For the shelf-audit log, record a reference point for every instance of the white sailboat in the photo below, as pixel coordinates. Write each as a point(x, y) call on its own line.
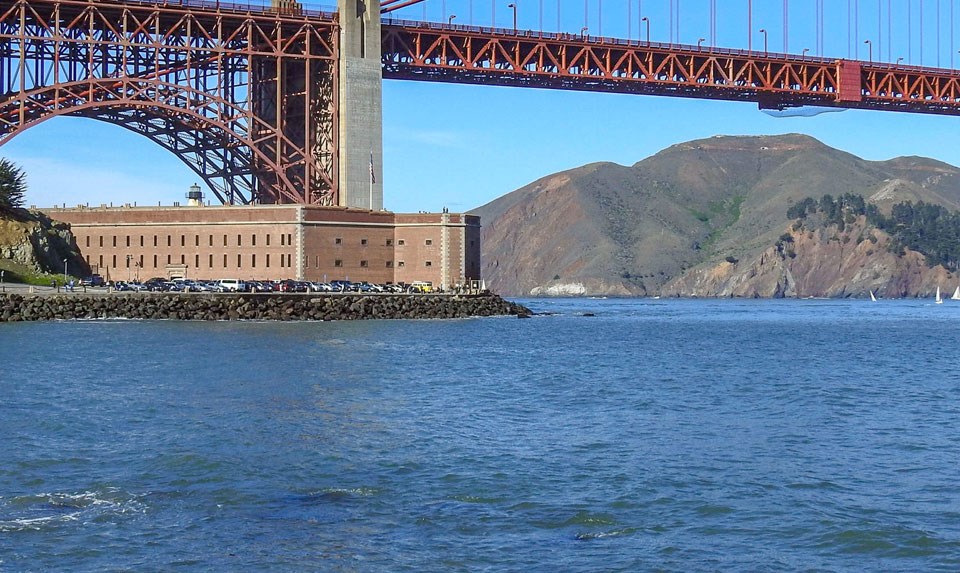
point(956, 294)
point(939, 300)
point(872, 298)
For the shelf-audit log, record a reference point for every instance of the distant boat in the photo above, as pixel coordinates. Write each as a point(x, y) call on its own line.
point(956, 294)
point(874, 299)
point(939, 300)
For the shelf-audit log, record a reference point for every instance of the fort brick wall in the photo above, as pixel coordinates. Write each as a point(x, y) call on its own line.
point(271, 242)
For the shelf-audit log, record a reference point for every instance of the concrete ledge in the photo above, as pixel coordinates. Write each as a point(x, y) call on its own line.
point(178, 306)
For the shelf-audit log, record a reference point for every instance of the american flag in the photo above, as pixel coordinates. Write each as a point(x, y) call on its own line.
point(373, 178)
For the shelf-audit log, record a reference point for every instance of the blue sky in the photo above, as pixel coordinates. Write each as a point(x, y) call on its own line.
point(460, 146)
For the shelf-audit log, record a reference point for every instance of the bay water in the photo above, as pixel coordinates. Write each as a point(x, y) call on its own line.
point(603, 435)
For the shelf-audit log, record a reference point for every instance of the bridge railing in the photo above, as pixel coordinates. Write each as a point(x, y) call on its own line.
point(260, 6)
point(673, 47)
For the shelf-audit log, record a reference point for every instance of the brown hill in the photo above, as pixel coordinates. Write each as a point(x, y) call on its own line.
point(670, 221)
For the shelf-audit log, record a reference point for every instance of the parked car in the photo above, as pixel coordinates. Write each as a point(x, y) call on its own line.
point(92, 280)
point(233, 285)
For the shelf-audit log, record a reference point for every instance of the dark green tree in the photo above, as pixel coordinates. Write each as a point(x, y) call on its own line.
point(13, 185)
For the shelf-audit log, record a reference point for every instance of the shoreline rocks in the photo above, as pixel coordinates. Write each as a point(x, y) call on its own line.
point(280, 307)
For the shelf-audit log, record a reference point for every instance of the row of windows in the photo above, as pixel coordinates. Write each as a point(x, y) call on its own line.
point(389, 243)
point(138, 262)
point(285, 261)
point(286, 239)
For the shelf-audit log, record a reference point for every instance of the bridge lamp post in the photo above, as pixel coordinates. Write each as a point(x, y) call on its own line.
point(514, 8)
point(128, 267)
point(700, 43)
point(64, 271)
point(764, 32)
point(647, 22)
point(583, 32)
point(804, 54)
point(451, 19)
point(900, 59)
point(870, 50)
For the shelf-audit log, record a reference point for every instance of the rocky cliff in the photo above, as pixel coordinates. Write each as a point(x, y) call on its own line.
point(818, 263)
point(707, 218)
point(34, 242)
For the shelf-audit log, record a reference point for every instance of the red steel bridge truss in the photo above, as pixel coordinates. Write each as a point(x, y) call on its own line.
point(248, 99)
point(434, 52)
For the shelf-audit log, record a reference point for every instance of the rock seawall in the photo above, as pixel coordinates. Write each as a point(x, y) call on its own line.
point(16, 308)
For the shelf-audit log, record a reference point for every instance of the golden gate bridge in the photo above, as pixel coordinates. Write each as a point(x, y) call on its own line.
point(264, 101)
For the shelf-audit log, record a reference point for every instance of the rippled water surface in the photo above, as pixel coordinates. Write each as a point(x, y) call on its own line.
point(653, 435)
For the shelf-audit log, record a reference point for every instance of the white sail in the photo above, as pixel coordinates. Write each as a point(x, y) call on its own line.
point(872, 298)
point(956, 294)
point(939, 300)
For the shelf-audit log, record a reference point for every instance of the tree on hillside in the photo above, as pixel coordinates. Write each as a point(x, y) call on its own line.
point(13, 185)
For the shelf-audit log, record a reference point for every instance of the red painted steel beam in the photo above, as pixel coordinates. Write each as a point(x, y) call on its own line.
point(437, 52)
point(246, 97)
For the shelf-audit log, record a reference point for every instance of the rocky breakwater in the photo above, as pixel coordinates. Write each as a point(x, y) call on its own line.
point(15, 307)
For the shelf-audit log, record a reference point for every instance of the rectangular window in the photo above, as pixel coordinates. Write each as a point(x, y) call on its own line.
point(338, 241)
point(400, 242)
point(389, 242)
point(316, 261)
point(211, 243)
point(389, 264)
point(128, 261)
point(196, 262)
point(238, 261)
point(282, 260)
point(253, 240)
point(169, 240)
point(363, 263)
point(268, 256)
point(101, 241)
point(224, 259)
point(114, 265)
point(363, 241)
point(210, 262)
point(141, 261)
point(88, 240)
point(154, 261)
point(338, 263)
point(169, 259)
point(183, 259)
point(399, 263)
point(289, 260)
point(253, 260)
point(101, 260)
point(114, 240)
point(268, 239)
point(428, 242)
point(428, 264)
point(224, 243)
point(141, 240)
point(283, 240)
point(128, 240)
point(239, 239)
point(154, 243)
point(196, 240)
point(183, 240)
point(289, 240)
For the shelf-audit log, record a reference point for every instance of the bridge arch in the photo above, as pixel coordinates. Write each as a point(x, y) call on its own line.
point(217, 147)
point(246, 100)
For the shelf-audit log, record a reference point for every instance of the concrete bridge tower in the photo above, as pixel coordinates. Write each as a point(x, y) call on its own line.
point(361, 125)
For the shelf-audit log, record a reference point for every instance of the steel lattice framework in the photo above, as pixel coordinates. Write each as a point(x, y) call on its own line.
point(246, 97)
point(462, 54)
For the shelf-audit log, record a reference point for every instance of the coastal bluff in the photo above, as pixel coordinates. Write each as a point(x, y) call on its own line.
point(293, 307)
